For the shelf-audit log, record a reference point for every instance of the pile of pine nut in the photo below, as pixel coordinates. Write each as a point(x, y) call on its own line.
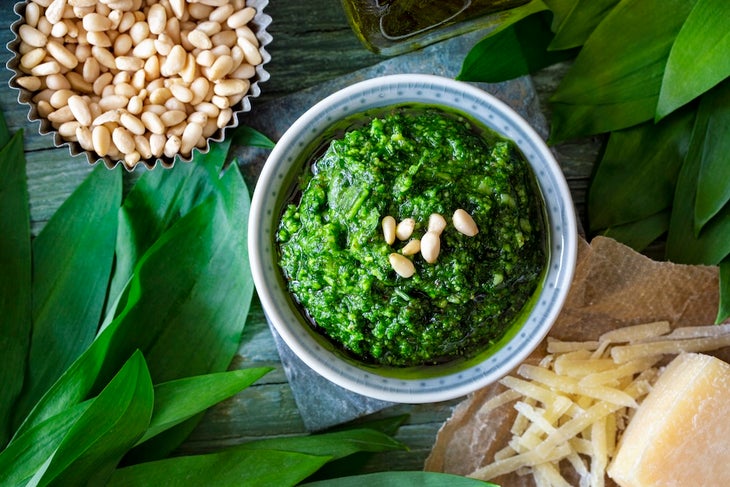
point(429, 245)
point(137, 80)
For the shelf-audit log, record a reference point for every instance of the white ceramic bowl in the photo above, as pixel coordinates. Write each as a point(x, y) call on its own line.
point(427, 383)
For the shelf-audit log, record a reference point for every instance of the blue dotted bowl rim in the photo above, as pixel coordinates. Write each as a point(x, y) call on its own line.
point(385, 91)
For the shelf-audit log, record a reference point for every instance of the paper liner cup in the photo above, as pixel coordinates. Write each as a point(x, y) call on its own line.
point(258, 25)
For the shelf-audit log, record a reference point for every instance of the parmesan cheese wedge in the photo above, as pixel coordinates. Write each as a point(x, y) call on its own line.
point(680, 435)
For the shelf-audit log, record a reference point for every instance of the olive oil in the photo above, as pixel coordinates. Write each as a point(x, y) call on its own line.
point(392, 27)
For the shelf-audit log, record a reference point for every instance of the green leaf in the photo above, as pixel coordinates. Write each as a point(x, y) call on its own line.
point(639, 234)
point(15, 278)
point(476, 65)
point(26, 454)
point(179, 400)
point(637, 174)
point(614, 82)
point(260, 468)
point(713, 190)
point(72, 260)
point(560, 9)
point(114, 421)
point(248, 137)
point(580, 23)
point(402, 479)
point(711, 245)
point(336, 445)
point(515, 51)
point(176, 288)
point(180, 317)
point(157, 200)
point(700, 56)
point(723, 311)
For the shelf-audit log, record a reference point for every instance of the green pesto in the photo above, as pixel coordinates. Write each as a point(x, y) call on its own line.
point(409, 164)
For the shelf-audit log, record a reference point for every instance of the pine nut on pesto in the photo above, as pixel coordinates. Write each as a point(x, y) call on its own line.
point(412, 162)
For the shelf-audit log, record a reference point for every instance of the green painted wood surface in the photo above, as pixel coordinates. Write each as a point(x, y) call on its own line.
point(312, 43)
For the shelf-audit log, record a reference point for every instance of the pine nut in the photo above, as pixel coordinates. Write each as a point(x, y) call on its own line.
point(221, 14)
point(412, 247)
point(78, 83)
point(123, 140)
point(129, 63)
point(142, 145)
point(181, 92)
point(83, 136)
point(61, 115)
point(32, 36)
point(173, 117)
point(44, 69)
point(190, 137)
point(175, 61)
point(402, 265)
point(172, 146)
point(30, 83)
point(54, 11)
point(112, 116)
point(153, 122)
point(241, 18)
point(122, 45)
point(220, 68)
point(157, 144)
point(33, 14)
point(91, 70)
point(200, 39)
point(405, 228)
point(229, 87)
point(80, 110)
point(430, 247)
point(145, 49)
point(57, 82)
point(253, 56)
point(178, 8)
point(94, 22)
point(60, 98)
point(436, 223)
point(67, 130)
point(113, 102)
point(32, 58)
point(464, 223)
point(132, 123)
point(157, 18)
point(388, 225)
point(224, 117)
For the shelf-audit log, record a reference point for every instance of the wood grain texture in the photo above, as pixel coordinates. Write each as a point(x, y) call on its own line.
point(312, 43)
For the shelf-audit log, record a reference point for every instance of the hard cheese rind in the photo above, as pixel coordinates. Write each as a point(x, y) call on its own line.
point(681, 433)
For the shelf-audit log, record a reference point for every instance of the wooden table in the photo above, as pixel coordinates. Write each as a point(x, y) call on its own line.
point(312, 44)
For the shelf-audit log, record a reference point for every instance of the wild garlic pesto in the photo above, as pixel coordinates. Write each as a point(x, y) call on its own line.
point(412, 164)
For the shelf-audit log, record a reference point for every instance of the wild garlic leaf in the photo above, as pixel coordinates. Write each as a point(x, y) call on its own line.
point(262, 468)
point(637, 174)
point(72, 261)
point(713, 190)
point(26, 454)
point(518, 50)
point(161, 284)
point(402, 479)
point(711, 246)
point(15, 278)
point(580, 23)
point(192, 290)
point(640, 234)
point(249, 137)
point(561, 10)
point(113, 422)
point(156, 201)
point(477, 63)
point(571, 121)
point(619, 69)
point(723, 310)
point(338, 444)
point(181, 399)
point(700, 56)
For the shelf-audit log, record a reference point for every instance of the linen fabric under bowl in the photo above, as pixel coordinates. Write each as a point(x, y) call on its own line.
point(421, 384)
